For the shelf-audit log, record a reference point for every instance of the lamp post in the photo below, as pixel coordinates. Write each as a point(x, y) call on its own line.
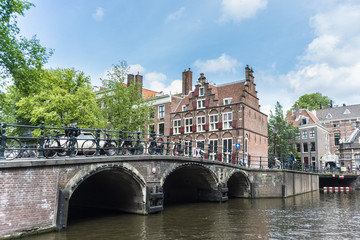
point(275, 133)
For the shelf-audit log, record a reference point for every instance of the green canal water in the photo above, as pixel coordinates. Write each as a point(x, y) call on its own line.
point(309, 216)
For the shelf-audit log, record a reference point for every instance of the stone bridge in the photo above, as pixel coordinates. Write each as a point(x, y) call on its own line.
point(39, 194)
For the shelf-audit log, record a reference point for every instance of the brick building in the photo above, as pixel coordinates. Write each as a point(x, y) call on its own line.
point(220, 116)
point(313, 139)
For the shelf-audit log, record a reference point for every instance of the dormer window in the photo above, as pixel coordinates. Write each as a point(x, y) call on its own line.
point(183, 108)
point(201, 91)
point(329, 115)
point(227, 101)
point(347, 111)
point(304, 121)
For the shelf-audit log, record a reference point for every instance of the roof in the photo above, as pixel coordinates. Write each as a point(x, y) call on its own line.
point(148, 93)
point(338, 113)
point(296, 119)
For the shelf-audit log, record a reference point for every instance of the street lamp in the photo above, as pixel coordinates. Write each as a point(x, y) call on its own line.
point(275, 133)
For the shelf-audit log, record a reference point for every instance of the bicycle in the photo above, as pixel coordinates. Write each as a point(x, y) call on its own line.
point(12, 148)
point(108, 146)
point(156, 148)
point(28, 151)
point(60, 145)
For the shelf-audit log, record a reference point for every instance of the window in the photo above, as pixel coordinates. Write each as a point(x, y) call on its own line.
point(304, 121)
point(347, 111)
point(188, 125)
point(161, 128)
point(213, 120)
point(177, 125)
point(227, 149)
point(187, 149)
point(227, 101)
point(201, 91)
point(329, 115)
point(305, 147)
point(201, 103)
point(213, 146)
point(298, 148)
point(161, 111)
point(152, 113)
point(200, 144)
point(336, 125)
point(312, 146)
point(337, 138)
point(297, 135)
point(312, 133)
point(227, 118)
point(183, 108)
point(200, 124)
point(304, 135)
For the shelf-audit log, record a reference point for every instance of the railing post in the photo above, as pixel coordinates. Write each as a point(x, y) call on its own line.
point(209, 150)
point(42, 140)
point(216, 152)
point(237, 158)
point(73, 139)
point(3, 139)
point(190, 147)
point(167, 145)
point(120, 141)
point(97, 142)
point(260, 162)
point(180, 148)
point(138, 144)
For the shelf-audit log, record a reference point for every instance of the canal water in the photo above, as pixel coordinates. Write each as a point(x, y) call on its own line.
point(309, 216)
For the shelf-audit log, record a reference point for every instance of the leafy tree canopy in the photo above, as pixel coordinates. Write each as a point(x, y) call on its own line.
point(123, 106)
point(311, 101)
point(282, 135)
point(20, 58)
point(64, 98)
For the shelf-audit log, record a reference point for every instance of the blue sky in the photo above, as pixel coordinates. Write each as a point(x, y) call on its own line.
point(294, 47)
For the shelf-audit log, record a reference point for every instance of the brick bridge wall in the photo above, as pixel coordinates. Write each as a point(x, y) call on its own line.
point(35, 194)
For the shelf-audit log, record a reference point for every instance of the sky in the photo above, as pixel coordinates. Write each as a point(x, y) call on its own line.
point(294, 47)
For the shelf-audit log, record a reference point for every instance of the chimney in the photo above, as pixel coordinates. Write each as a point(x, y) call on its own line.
point(320, 105)
point(186, 82)
point(297, 111)
point(135, 79)
point(249, 74)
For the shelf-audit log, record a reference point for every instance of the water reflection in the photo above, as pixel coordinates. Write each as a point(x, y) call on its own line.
point(314, 215)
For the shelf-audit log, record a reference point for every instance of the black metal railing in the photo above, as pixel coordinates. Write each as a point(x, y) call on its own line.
point(23, 141)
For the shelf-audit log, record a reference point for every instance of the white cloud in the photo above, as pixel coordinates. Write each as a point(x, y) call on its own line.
point(98, 15)
point(157, 82)
point(222, 64)
point(175, 15)
point(136, 68)
point(237, 10)
point(331, 63)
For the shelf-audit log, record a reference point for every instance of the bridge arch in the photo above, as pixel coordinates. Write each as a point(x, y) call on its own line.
point(238, 184)
point(115, 187)
point(190, 182)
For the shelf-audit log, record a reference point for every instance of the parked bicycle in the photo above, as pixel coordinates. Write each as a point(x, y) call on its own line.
point(12, 148)
point(156, 148)
point(108, 146)
point(60, 145)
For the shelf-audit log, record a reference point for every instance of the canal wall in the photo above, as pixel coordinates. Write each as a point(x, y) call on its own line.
point(281, 183)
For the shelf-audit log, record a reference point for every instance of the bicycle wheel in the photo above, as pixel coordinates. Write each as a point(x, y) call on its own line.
point(110, 148)
point(88, 148)
point(68, 147)
point(12, 148)
point(51, 147)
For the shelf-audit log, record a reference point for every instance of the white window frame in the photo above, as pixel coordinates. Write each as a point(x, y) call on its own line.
point(161, 111)
point(201, 91)
point(176, 126)
point(200, 125)
point(158, 128)
point(227, 119)
point(227, 153)
point(212, 153)
point(183, 108)
point(311, 133)
point(304, 134)
point(227, 101)
point(213, 124)
point(188, 122)
point(201, 103)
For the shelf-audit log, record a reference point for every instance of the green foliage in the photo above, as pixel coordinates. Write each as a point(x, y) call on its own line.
point(122, 105)
point(64, 98)
point(311, 101)
point(20, 58)
point(285, 134)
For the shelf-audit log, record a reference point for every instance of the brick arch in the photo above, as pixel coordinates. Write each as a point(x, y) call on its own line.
point(227, 135)
point(213, 111)
point(213, 136)
point(227, 109)
point(188, 115)
point(200, 113)
point(177, 116)
point(238, 183)
point(200, 137)
point(211, 177)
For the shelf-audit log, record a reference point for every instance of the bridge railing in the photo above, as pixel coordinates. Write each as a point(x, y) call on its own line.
point(23, 141)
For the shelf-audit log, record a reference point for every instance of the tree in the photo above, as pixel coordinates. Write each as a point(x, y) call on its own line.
point(282, 135)
point(20, 58)
point(64, 98)
point(123, 106)
point(311, 101)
